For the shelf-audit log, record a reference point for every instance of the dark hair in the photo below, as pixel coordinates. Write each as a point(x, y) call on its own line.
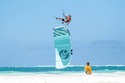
point(70, 15)
point(87, 63)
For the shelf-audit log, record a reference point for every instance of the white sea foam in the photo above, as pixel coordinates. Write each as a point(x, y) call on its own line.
point(117, 77)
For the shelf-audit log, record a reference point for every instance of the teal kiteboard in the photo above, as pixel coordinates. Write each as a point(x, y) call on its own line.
point(63, 46)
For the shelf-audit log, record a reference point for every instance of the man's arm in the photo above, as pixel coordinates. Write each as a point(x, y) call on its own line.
point(64, 15)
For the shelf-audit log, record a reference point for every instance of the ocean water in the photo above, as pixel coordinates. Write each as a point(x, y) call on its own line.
point(53, 70)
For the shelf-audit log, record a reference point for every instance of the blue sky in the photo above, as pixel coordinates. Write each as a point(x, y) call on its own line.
point(97, 30)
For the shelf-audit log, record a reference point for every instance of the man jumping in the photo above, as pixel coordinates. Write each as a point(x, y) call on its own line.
point(66, 20)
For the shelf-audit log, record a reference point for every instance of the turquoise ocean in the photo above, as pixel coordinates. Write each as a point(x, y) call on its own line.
point(53, 70)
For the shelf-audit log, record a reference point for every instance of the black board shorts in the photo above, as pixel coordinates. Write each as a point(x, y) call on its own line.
point(63, 19)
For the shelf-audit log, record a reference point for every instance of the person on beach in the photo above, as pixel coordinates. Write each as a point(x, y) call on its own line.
point(88, 68)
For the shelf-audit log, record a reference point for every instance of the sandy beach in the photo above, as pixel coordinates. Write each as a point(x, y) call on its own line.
point(64, 78)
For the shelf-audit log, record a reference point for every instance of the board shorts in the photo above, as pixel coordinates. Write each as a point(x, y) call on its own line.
point(63, 19)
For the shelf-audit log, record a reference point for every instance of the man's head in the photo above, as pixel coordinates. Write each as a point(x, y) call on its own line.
point(70, 15)
point(87, 63)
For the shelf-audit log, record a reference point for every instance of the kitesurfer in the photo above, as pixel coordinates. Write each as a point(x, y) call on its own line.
point(66, 20)
point(88, 68)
